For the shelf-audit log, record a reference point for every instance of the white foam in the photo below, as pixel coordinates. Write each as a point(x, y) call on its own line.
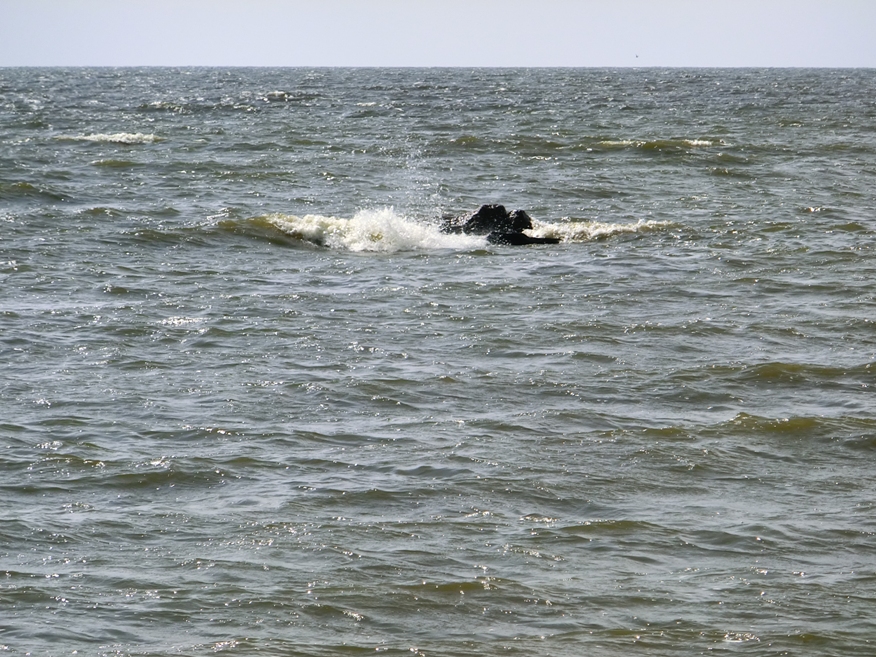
point(665, 143)
point(583, 231)
point(181, 321)
point(386, 231)
point(371, 230)
point(115, 138)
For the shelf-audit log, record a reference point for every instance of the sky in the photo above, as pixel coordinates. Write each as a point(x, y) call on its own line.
point(689, 33)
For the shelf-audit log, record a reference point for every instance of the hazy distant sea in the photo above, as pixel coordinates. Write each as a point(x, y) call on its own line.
point(253, 401)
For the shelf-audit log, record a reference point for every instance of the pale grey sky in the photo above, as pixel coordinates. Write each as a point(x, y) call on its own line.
point(835, 33)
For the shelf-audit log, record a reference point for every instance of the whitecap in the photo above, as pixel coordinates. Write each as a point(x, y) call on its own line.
point(386, 231)
point(583, 231)
point(371, 230)
point(181, 321)
point(659, 143)
point(128, 138)
point(274, 96)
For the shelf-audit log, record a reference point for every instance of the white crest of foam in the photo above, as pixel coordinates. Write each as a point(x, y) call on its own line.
point(371, 230)
point(181, 321)
point(115, 138)
point(638, 143)
point(386, 231)
point(583, 231)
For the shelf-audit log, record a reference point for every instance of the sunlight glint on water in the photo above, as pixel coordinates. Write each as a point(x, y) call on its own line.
point(255, 402)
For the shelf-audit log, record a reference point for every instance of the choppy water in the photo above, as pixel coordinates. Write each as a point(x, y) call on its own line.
point(254, 402)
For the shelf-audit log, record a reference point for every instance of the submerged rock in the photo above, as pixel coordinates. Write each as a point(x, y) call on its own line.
point(499, 225)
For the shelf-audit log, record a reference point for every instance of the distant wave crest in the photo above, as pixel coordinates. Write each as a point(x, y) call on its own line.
point(660, 144)
point(128, 138)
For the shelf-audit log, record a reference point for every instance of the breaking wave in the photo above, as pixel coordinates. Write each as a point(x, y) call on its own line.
point(585, 231)
point(386, 231)
point(660, 144)
point(370, 230)
point(127, 138)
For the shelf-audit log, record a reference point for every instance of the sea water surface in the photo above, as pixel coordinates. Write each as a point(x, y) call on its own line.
point(253, 401)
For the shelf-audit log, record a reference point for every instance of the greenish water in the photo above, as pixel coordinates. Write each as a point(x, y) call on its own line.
point(253, 401)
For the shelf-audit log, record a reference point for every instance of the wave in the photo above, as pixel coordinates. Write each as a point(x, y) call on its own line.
point(792, 373)
point(851, 430)
point(586, 231)
point(11, 191)
point(115, 164)
point(660, 144)
point(127, 138)
point(369, 230)
point(386, 231)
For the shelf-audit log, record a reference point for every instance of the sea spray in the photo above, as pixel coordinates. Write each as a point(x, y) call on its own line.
point(386, 231)
point(371, 230)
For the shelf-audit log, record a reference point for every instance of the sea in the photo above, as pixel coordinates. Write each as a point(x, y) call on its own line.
point(253, 401)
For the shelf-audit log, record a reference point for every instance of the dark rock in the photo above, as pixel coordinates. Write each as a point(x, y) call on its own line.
point(518, 239)
point(499, 225)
